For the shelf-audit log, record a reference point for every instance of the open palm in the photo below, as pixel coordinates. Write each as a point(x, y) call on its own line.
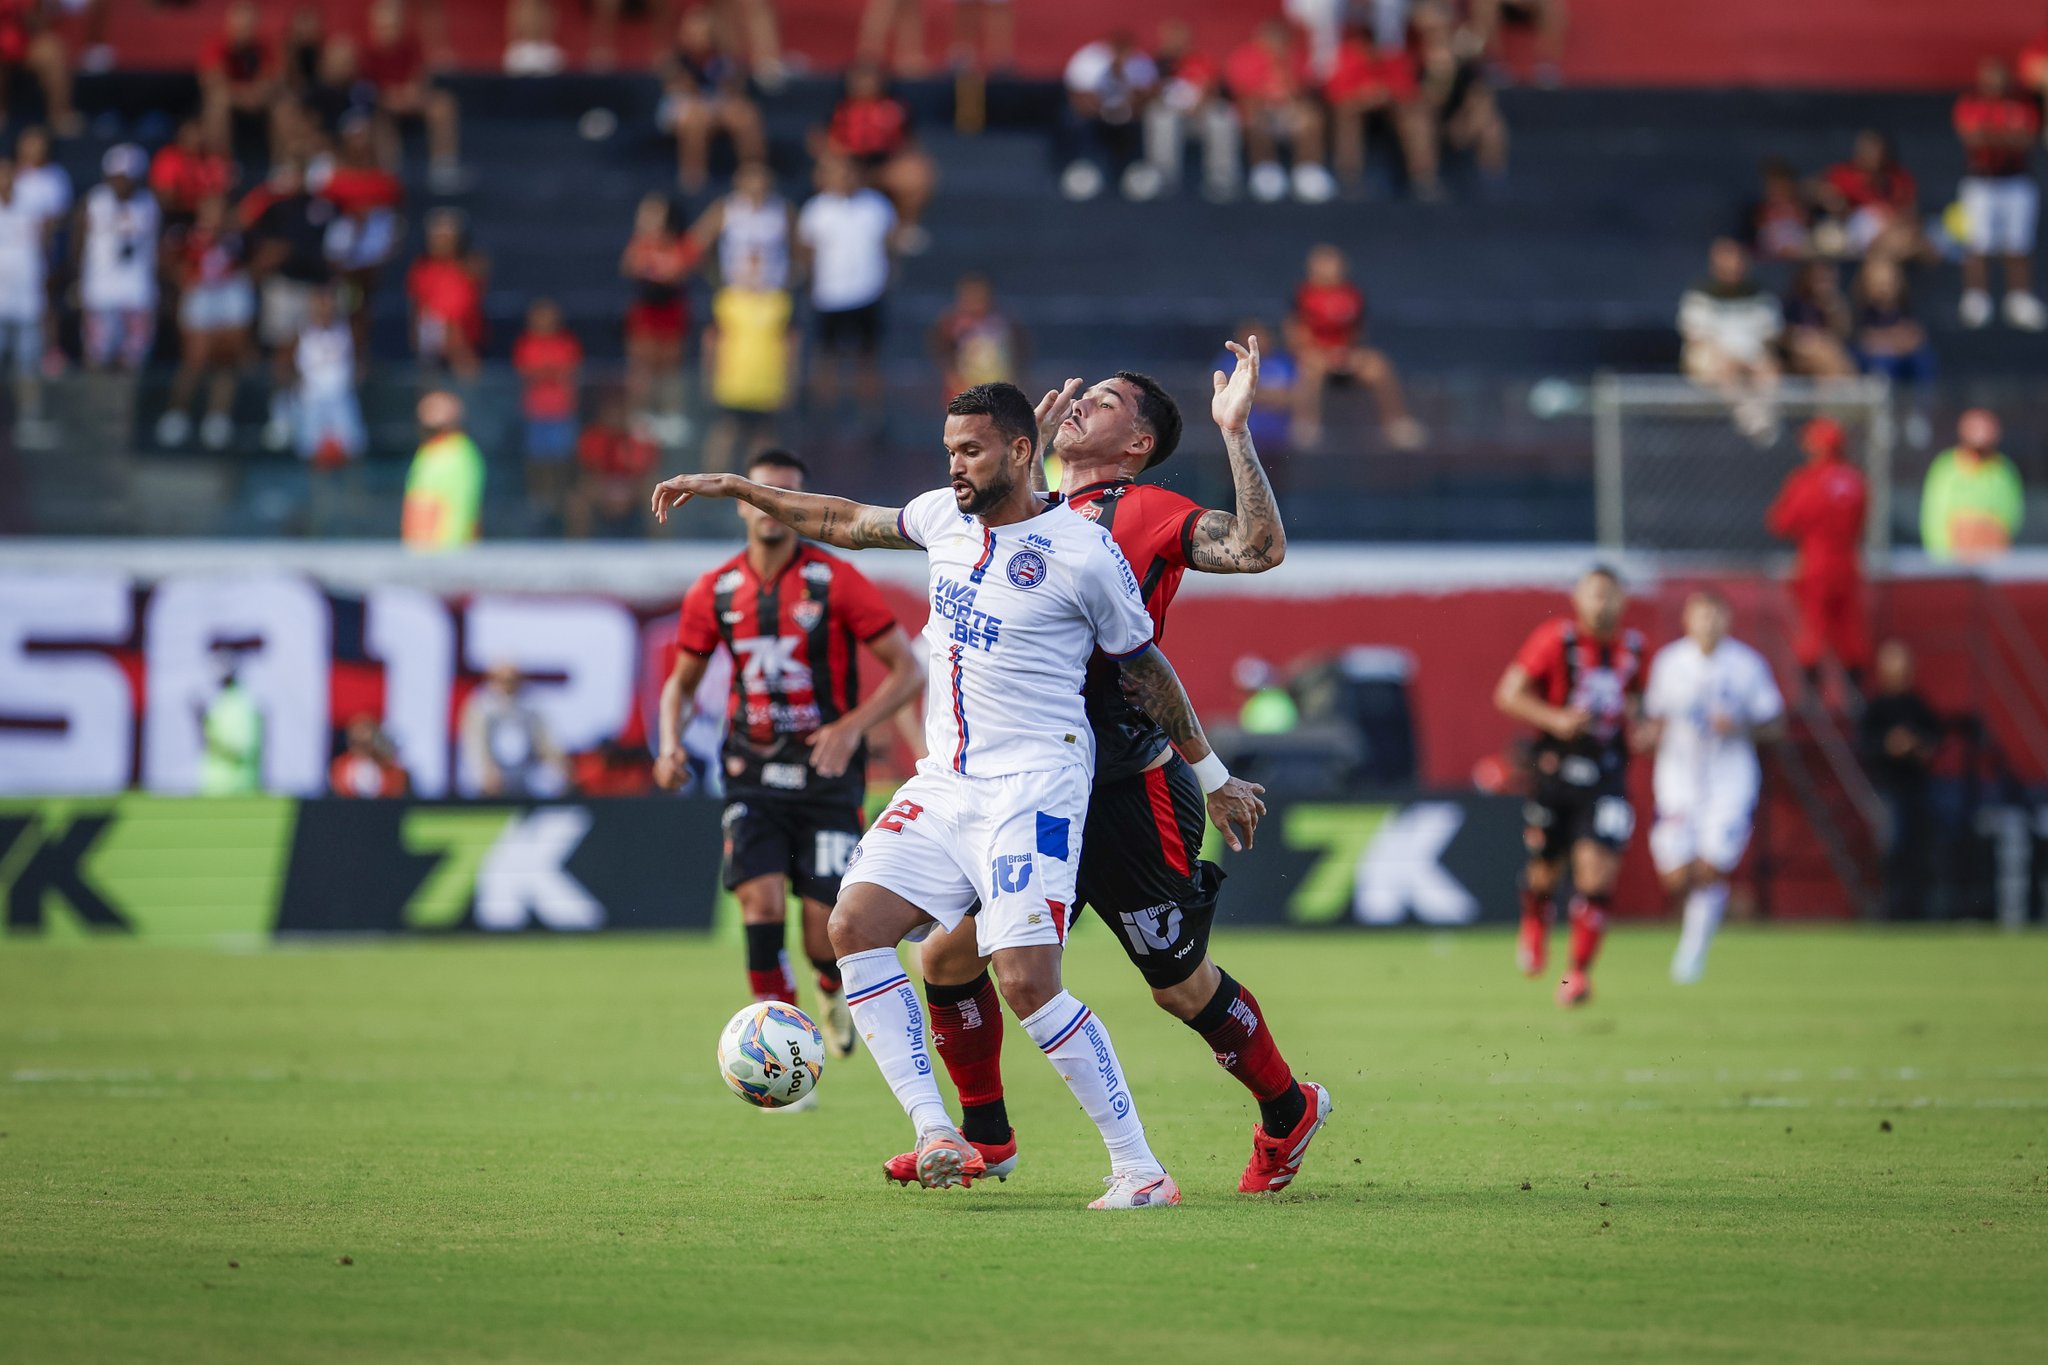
point(1232, 405)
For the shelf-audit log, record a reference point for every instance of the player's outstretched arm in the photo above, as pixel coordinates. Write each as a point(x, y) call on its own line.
point(671, 765)
point(1234, 804)
point(1252, 540)
point(836, 521)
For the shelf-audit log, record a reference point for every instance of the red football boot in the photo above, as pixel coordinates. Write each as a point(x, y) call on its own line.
point(1532, 949)
point(1275, 1161)
point(998, 1160)
point(1575, 989)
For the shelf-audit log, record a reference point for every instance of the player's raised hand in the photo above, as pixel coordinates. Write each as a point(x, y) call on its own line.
point(1233, 806)
point(1053, 409)
point(670, 494)
point(1232, 405)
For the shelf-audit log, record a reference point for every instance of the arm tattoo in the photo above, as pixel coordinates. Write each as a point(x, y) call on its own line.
point(1253, 540)
point(835, 521)
point(1150, 682)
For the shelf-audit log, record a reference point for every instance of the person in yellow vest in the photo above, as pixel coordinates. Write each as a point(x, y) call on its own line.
point(445, 489)
point(1972, 503)
point(750, 352)
point(231, 728)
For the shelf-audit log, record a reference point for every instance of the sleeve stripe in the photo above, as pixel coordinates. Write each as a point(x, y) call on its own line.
point(1130, 654)
point(1187, 534)
point(903, 528)
point(875, 635)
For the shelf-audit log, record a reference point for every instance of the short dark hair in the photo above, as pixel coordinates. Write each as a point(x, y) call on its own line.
point(1003, 404)
point(779, 459)
point(1157, 411)
point(1606, 571)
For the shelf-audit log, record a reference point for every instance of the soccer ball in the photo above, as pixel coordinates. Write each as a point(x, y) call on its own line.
point(771, 1054)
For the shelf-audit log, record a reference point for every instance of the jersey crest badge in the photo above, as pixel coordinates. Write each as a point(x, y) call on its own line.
point(808, 613)
point(1092, 511)
point(1027, 569)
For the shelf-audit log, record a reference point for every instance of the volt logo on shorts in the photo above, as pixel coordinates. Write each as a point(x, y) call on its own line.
point(1012, 872)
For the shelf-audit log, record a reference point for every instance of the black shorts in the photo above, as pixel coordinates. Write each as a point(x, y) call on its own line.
point(804, 841)
point(851, 329)
point(1142, 870)
point(1557, 816)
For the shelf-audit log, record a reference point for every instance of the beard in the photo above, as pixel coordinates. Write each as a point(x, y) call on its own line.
point(987, 497)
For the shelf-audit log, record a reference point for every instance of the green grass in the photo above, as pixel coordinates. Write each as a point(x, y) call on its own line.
point(517, 1151)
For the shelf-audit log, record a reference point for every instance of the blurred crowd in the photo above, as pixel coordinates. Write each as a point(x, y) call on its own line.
point(1816, 277)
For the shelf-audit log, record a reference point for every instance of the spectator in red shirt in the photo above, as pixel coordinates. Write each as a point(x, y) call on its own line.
point(658, 260)
point(368, 767)
point(2000, 199)
point(2033, 68)
point(216, 306)
point(1546, 17)
point(187, 170)
point(28, 42)
point(549, 360)
point(1269, 79)
point(704, 93)
point(1822, 509)
point(1191, 100)
point(363, 235)
point(1874, 199)
point(394, 62)
point(239, 78)
point(615, 459)
point(872, 128)
point(1326, 333)
point(1363, 81)
point(1778, 224)
point(446, 287)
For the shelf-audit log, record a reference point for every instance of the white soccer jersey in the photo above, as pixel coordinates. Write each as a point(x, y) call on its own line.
point(118, 269)
point(21, 260)
point(1688, 689)
point(1016, 612)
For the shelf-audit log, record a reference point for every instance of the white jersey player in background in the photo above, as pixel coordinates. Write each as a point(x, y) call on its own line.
point(1022, 593)
point(1711, 700)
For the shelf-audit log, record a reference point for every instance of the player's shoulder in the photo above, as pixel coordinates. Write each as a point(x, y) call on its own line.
point(1550, 634)
point(725, 577)
point(1158, 498)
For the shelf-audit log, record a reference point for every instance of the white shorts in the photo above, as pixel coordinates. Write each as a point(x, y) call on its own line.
point(1012, 843)
point(214, 307)
point(1999, 214)
point(1714, 833)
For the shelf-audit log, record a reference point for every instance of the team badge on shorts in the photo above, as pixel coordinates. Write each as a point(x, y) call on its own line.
point(1027, 569)
point(808, 613)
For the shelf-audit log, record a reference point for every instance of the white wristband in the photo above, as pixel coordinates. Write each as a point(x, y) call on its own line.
point(1210, 772)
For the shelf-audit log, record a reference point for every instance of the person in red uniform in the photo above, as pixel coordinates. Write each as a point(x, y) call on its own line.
point(793, 619)
point(1579, 683)
point(1822, 509)
point(1327, 336)
point(1141, 865)
point(2001, 202)
point(239, 77)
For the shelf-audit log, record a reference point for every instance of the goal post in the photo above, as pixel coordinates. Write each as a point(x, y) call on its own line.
point(1673, 471)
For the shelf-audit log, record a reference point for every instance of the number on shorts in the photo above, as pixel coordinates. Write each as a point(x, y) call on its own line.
point(899, 815)
point(1613, 819)
point(833, 852)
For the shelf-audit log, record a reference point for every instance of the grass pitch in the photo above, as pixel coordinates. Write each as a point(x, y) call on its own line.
point(517, 1151)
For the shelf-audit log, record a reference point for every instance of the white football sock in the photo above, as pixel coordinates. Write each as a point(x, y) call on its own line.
point(890, 1018)
point(1702, 917)
point(1078, 1045)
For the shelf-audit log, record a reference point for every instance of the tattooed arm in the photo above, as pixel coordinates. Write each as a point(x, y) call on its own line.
point(835, 521)
point(1252, 540)
point(1152, 685)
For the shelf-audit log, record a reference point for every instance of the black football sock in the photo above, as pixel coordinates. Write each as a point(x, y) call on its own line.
point(828, 974)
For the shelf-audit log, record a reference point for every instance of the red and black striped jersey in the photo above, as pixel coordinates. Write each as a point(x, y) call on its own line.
point(1568, 667)
point(795, 643)
point(1154, 527)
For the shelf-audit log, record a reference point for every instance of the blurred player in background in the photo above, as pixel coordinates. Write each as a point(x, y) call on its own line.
point(1711, 700)
point(1141, 864)
point(1579, 683)
point(1023, 593)
point(794, 620)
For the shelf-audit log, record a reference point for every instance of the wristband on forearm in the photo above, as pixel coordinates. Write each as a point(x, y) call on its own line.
point(1210, 772)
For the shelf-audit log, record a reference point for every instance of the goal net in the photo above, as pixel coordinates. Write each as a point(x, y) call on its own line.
point(1678, 467)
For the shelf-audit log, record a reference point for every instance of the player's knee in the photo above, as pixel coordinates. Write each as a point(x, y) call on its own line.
point(1028, 986)
point(950, 958)
point(850, 930)
point(1186, 999)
